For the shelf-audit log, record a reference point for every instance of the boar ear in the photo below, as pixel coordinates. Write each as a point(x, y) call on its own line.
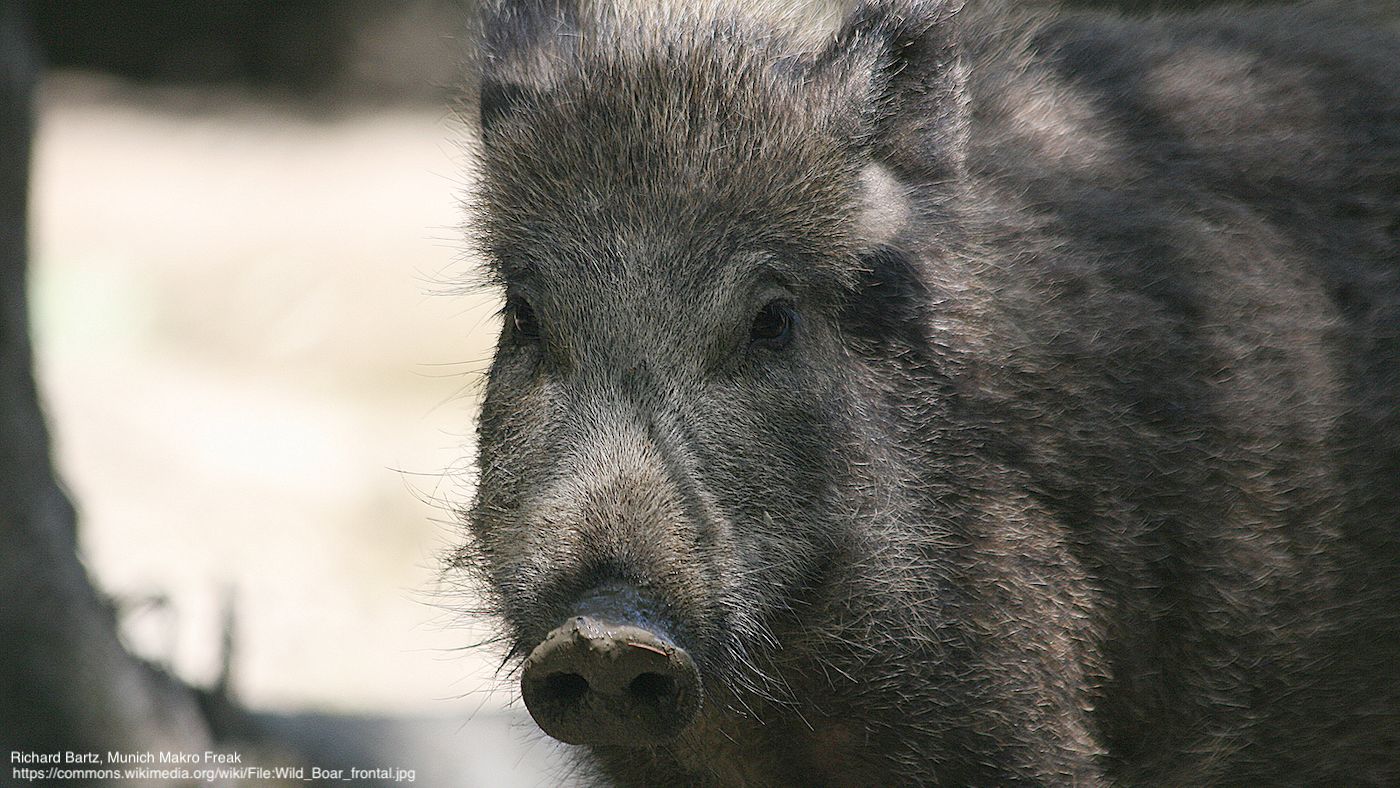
point(523, 45)
point(902, 60)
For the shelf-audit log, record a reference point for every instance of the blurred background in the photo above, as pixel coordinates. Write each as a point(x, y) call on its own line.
point(260, 355)
point(261, 351)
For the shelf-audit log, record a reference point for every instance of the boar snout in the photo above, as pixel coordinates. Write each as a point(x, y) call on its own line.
point(609, 675)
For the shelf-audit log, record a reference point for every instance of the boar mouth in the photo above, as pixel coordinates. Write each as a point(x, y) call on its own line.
point(611, 674)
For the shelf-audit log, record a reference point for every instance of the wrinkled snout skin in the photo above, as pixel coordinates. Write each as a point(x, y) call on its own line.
point(958, 397)
point(610, 675)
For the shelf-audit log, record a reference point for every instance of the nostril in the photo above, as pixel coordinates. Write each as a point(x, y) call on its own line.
point(651, 687)
point(566, 687)
point(604, 682)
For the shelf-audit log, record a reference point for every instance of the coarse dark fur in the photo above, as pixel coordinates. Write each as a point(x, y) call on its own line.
point(1082, 465)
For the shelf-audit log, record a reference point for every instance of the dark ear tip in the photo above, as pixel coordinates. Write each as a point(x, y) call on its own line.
point(514, 23)
point(515, 35)
point(498, 100)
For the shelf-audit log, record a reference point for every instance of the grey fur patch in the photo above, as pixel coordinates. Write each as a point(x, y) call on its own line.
point(884, 207)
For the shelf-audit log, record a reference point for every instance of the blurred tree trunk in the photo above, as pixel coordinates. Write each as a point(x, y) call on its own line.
point(66, 682)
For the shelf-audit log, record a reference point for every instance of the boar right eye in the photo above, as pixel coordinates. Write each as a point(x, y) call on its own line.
point(524, 325)
point(774, 324)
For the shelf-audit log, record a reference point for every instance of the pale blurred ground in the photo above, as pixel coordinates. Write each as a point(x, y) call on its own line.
point(257, 364)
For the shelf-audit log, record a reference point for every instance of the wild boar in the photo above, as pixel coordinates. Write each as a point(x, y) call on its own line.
point(962, 395)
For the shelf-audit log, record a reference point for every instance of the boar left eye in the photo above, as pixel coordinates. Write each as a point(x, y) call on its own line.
point(774, 324)
point(525, 325)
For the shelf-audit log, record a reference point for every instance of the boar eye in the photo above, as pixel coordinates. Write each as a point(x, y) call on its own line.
point(521, 315)
point(773, 326)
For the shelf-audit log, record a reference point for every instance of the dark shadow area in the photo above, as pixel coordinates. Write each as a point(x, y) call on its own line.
point(319, 49)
